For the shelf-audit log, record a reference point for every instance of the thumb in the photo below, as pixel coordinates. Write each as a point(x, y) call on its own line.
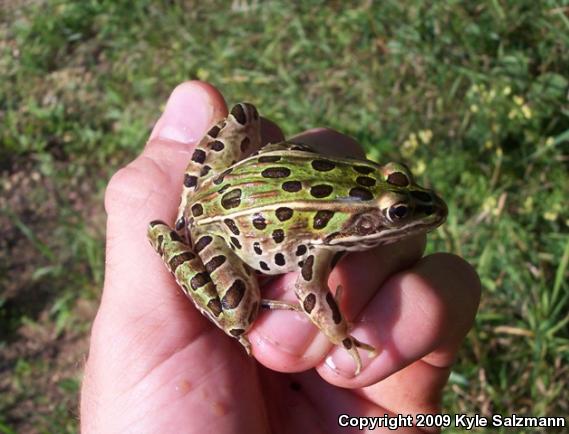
point(149, 188)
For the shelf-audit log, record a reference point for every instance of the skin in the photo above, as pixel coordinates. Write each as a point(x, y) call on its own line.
point(156, 365)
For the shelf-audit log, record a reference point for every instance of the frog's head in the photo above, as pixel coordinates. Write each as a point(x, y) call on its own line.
point(400, 208)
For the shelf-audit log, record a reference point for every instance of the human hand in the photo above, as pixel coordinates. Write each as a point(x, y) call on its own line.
point(156, 365)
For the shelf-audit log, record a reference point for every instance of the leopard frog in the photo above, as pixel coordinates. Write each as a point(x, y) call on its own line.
point(277, 209)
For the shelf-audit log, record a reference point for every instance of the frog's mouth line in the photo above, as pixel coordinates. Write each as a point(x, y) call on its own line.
point(386, 236)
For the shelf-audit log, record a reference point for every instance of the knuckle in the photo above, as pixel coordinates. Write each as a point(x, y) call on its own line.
point(132, 185)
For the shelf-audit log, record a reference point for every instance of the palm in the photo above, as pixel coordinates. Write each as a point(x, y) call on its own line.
point(156, 365)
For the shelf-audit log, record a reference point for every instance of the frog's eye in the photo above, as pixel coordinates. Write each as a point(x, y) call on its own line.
point(399, 179)
point(397, 212)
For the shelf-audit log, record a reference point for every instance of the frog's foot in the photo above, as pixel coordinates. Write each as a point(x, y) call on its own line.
point(351, 344)
point(279, 304)
point(246, 344)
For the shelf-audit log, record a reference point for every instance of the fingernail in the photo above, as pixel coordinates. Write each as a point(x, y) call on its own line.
point(341, 364)
point(187, 116)
point(293, 339)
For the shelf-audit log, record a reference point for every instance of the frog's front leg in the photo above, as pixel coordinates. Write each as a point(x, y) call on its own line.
point(320, 305)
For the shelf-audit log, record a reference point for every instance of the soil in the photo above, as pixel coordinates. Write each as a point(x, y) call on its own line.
point(44, 325)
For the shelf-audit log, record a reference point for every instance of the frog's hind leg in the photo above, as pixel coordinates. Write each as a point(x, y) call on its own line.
point(230, 140)
point(235, 282)
point(321, 307)
point(188, 270)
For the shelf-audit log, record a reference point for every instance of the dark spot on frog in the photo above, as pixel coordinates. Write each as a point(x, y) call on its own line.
point(361, 193)
point(309, 303)
point(231, 199)
point(224, 188)
point(257, 248)
point(321, 190)
point(398, 178)
point(323, 165)
point(199, 156)
point(321, 219)
point(280, 259)
point(235, 242)
point(214, 263)
point(219, 179)
point(284, 213)
point(364, 170)
point(278, 236)
point(180, 223)
point(205, 170)
point(275, 172)
point(217, 145)
point(197, 210)
point(239, 114)
point(179, 259)
point(366, 181)
point(176, 237)
point(259, 222)
point(199, 280)
point(159, 242)
point(232, 226)
point(306, 271)
point(214, 305)
point(190, 180)
point(214, 131)
point(336, 316)
point(202, 243)
point(292, 186)
point(269, 159)
point(234, 295)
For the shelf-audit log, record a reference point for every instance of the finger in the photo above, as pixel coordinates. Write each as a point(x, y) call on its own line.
point(421, 313)
point(139, 296)
point(287, 341)
point(149, 188)
point(329, 141)
point(146, 329)
point(136, 327)
point(331, 402)
point(270, 132)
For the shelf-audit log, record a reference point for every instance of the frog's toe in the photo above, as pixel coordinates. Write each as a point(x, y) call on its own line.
point(371, 349)
point(246, 344)
point(351, 345)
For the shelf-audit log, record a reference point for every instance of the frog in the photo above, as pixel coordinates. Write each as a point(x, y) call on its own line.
point(249, 208)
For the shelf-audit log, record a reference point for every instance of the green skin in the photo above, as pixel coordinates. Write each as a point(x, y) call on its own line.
point(280, 209)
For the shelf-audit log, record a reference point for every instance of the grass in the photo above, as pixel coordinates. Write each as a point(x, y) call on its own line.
point(472, 95)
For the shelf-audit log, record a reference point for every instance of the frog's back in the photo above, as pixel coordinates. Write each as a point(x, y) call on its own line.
point(301, 179)
point(287, 190)
point(271, 208)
